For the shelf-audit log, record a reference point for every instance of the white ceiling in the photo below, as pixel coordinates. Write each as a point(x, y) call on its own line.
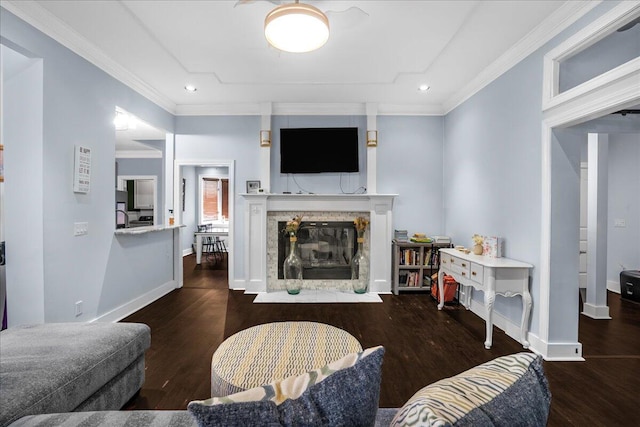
point(378, 53)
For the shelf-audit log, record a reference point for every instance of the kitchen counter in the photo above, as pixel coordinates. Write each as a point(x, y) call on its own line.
point(143, 230)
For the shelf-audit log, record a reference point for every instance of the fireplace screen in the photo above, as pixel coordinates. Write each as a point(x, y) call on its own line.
point(326, 249)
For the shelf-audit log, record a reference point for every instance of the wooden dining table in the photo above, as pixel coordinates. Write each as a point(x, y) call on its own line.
point(214, 232)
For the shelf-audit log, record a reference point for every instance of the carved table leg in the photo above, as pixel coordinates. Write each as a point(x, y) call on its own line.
point(526, 311)
point(440, 289)
point(489, 298)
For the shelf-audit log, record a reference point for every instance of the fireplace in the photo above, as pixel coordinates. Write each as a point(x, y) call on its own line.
point(263, 229)
point(326, 249)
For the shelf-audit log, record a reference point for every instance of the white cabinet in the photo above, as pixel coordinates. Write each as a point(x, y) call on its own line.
point(143, 192)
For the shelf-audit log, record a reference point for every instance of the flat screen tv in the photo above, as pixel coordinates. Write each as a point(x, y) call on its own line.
point(317, 150)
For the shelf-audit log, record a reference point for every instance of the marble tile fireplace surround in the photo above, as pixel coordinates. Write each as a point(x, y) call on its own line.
point(264, 211)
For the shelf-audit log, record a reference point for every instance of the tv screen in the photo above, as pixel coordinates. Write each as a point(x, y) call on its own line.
point(316, 150)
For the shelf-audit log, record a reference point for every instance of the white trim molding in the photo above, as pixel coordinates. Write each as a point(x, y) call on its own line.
point(43, 20)
point(596, 31)
point(556, 352)
point(604, 96)
point(139, 154)
point(257, 206)
point(136, 304)
point(561, 19)
point(177, 189)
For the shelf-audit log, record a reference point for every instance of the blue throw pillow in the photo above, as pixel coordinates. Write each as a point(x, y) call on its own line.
point(343, 393)
point(507, 391)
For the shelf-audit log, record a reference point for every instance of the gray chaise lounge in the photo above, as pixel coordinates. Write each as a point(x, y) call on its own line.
point(64, 367)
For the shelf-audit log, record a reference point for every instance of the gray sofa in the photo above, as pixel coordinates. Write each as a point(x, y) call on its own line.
point(66, 367)
point(96, 368)
point(141, 419)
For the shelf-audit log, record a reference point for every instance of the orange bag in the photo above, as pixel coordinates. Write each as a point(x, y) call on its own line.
point(450, 288)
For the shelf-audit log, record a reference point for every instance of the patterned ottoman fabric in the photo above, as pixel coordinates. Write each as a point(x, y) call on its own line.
point(274, 351)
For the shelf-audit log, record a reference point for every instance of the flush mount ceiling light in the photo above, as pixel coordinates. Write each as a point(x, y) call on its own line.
point(296, 28)
point(423, 88)
point(190, 88)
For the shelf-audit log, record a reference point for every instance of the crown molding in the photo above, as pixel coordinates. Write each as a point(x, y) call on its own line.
point(308, 109)
point(597, 30)
point(319, 109)
point(38, 17)
point(138, 154)
point(240, 109)
point(410, 110)
point(561, 19)
point(44, 21)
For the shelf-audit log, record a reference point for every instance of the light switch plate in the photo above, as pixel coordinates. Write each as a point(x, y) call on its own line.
point(619, 223)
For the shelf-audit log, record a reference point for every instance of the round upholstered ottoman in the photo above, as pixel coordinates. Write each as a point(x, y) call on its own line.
point(273, 351)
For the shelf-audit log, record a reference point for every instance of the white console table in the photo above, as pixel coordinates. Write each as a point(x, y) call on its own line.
point(501, 276)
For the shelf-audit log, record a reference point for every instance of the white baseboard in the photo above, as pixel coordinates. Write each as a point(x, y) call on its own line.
point(596, 311)
point(613, 286)
point(568, 352)
point(556, 352)
point(134, 305)
point(510, 328)
point(186, 252)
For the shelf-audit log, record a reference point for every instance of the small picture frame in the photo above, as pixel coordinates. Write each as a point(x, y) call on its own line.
point(265, 138)
point(372, 138)
point(253, 187)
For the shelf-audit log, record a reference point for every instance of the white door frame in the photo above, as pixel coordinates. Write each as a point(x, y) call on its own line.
point(177, 182)
point(612, 91)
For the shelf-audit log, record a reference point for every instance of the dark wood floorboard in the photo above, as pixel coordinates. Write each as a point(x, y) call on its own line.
point(422, 345)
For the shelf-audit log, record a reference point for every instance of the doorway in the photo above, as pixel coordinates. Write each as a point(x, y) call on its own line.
point(192, 179)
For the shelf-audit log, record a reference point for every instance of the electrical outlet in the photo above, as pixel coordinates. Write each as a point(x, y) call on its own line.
point(78, 308)
point(80, 228)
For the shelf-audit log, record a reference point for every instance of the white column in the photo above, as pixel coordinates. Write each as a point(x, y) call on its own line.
point(265, 152)
point(597, 157)
point(381, 234)
point(255, 256)
point(372, 113)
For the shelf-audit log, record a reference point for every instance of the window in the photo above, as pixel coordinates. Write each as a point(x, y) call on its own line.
point(214, 206)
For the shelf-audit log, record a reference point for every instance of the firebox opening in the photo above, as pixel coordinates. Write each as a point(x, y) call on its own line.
point(326, 249)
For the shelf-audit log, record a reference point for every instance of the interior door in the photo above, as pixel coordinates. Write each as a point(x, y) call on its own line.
point(582, 272)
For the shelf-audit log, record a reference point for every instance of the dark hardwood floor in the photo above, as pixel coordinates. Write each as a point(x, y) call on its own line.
point(422, 345)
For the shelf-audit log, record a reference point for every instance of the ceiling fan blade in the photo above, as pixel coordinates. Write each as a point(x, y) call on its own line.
point(350, 17)
point(243, 2)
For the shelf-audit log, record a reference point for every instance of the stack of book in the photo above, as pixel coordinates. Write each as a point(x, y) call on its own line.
point(401, 235)
point(442, 239)
point(421, 238)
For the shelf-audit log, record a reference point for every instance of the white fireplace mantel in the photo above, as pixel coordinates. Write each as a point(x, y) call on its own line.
point(379, 206)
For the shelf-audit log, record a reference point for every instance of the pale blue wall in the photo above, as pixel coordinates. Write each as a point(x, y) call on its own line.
point(624, 185)
point(610, 52)
point(492, 163)
point(492, 185)
point(79, 102)
point(224, 138)
point(323, 183)
point(410, 164)
point(623, 244)
point(22, 191)
point(487, 174)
